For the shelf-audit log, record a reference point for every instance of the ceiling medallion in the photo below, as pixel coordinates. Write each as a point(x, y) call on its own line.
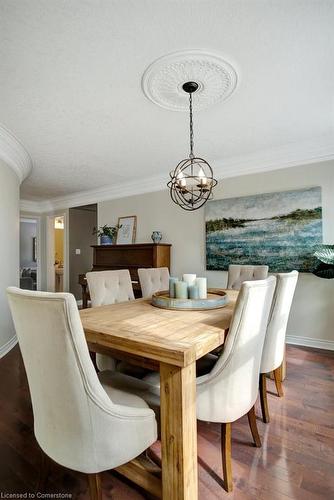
point(163, 80)
point(192, 180)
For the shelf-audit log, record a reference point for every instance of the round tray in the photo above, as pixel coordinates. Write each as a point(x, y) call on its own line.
point(216, 298)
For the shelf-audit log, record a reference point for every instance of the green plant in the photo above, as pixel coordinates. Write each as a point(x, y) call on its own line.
point(106, 230)
point(325, 268)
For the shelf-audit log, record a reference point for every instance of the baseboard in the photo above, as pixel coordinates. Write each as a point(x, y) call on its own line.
point(309, 342)
point(8, 346)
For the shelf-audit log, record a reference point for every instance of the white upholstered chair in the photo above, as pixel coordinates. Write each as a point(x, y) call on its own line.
point(153, 280)
point(78, 422)
point(109, 287)
point(274, 345)
point(238, 274)
point(230, 389)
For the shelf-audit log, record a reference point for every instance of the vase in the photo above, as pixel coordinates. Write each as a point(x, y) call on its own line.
point(105, 240)
point(156, 236)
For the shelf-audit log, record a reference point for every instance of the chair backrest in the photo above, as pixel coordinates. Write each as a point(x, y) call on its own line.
point(75, 421)
point(238, 274)
point(109, 287)
point(273, 349)
point(230, 389)
point(153, 280)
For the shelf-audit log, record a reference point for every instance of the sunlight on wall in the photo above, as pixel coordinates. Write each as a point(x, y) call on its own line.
point(59, 245)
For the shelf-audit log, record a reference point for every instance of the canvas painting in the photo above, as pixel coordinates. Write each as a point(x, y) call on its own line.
point(278, 229)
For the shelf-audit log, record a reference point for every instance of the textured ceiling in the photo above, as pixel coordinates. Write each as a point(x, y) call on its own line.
point(70, 84)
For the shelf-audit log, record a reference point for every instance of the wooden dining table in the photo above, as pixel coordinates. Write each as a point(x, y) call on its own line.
point(170, 342)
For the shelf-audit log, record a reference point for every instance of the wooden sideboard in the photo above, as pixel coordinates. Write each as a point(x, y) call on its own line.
point(132, 257)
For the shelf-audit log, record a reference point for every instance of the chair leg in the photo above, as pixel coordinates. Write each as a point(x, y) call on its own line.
point(263, 398)
point(43, 473)
point(95, 489)
point(278, 381)
point(226, 455)
point(253, 427)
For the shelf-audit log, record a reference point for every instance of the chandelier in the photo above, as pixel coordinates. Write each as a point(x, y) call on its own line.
point(192, 180)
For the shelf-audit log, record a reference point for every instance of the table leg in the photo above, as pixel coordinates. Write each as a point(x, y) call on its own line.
point(178, 432)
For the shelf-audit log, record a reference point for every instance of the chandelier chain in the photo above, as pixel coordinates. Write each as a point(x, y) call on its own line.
point(191, 129)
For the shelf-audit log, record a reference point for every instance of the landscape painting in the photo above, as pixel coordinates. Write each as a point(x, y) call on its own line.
point(278, 229)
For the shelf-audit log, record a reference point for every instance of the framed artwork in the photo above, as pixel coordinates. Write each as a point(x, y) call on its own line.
point(278, 229)
point(126, 234)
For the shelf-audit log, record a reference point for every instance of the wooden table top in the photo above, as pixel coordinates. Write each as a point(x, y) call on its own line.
point(174, 337)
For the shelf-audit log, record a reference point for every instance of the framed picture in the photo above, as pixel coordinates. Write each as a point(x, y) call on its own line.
point(126, 234)
point(279, 229)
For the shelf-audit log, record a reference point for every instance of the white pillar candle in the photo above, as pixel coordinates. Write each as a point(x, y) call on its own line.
point(193, 292)
point(202, 286)
point(172, 282)
point(181, 290)
point(189, 279)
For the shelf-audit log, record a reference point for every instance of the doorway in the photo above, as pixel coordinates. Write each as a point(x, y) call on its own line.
point(30, 268)
point(59, 254)
point(56, 253)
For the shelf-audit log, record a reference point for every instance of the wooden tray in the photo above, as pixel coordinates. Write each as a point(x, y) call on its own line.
point(216, 298)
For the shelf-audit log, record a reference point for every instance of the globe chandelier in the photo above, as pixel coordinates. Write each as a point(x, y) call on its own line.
point(192, 180)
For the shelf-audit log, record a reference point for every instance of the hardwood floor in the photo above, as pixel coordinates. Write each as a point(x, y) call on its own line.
point(296, 460)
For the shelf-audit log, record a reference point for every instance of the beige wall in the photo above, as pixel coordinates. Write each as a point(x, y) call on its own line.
point(312, 316)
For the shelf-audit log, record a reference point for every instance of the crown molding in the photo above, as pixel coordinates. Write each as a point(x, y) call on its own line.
point(28, 220)
point(31, 206)
point(290, 155)
point(14, 154)
point(87, 197)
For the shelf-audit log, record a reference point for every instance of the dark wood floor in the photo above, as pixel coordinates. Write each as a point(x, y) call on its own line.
point(296, 460)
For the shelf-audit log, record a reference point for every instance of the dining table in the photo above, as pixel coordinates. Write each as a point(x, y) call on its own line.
point(168, 341)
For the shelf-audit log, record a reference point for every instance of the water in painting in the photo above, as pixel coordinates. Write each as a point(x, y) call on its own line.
point(278, 229)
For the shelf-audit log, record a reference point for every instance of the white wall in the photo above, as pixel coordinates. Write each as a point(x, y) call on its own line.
point(9, 249)
point(312, 316)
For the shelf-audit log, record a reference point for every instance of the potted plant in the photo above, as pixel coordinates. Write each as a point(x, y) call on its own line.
point(106, 234)
point(325, 268)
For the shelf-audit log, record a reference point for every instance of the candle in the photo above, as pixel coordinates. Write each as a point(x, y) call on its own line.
point(193, 292)
point(202, 286)
point(172, 282)
point(189, 279)
point(202, 179)
point(181, 290)
point(181, 181)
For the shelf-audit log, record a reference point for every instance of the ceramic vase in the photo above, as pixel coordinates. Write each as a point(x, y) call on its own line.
point(105, 240)
point(156, 236)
